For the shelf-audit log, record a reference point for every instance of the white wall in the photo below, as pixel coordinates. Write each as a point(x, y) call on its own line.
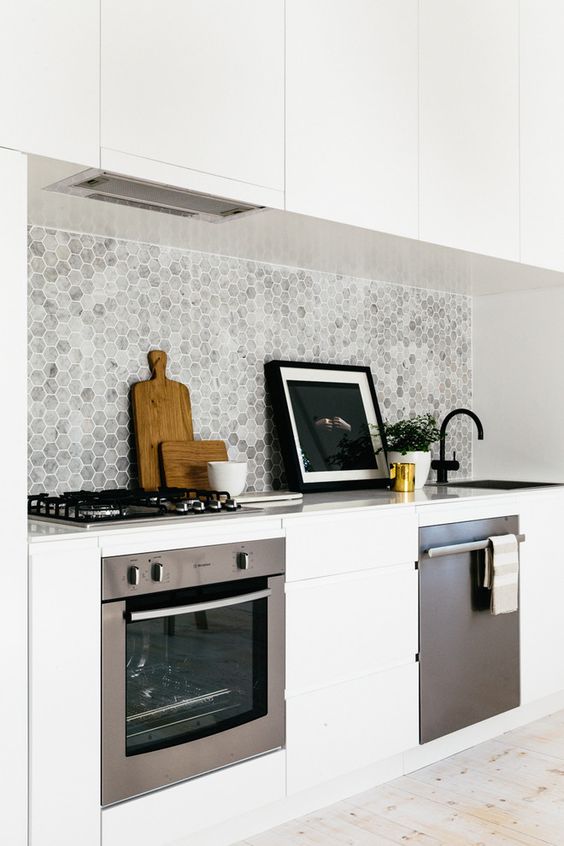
point(13, 517)
point(519, 385)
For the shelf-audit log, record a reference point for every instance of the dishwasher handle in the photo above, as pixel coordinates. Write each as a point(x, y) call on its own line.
point(459, 548)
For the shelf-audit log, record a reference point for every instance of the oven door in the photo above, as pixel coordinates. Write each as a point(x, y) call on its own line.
point(192, 680)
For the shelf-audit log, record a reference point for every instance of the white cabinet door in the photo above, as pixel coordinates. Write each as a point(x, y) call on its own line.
point(542, 593)
point(50, 71)
point(470, 125)
point(343, 627)
point(14, 620)
point(349, 726)
point(64, 693)
point(197, 84)
point(542, 133)
point(351, 112)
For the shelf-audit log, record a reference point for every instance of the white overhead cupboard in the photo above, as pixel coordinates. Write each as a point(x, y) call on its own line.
point(432, 119)
point(352, 112)
point(193, 94)
point(542, 133)
point(469, 125)
point(50, 79)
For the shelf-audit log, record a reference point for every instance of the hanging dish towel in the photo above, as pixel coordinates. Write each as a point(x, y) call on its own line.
point(501, 574)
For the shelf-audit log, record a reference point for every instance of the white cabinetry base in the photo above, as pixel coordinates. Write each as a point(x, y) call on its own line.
point(171, 816)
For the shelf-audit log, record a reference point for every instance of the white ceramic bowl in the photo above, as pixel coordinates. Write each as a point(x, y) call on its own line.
point(227, 476)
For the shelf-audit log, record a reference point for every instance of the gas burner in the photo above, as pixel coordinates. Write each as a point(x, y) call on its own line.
point(98, 511)
point(89, 508)
point(183, 507)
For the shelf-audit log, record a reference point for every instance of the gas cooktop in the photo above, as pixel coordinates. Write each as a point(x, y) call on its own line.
point(91, 508)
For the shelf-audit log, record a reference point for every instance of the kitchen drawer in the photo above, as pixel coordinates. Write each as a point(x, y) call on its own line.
point(343, 543)
point(342, 627)
point(174, 815)
point(349, 726)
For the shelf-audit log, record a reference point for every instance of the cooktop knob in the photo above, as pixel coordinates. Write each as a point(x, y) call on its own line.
point(231, 505)
point(198, 506)
point(214, 505)
point(133, 575)
point(157, 572)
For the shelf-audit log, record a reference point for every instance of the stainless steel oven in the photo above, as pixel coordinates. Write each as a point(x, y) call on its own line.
point(192, 662)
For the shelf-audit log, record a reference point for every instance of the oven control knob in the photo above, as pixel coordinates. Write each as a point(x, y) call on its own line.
point(157, 572)
point(243, 560)
point(133, 575)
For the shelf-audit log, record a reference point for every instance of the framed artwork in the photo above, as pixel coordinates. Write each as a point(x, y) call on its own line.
point(329, 425)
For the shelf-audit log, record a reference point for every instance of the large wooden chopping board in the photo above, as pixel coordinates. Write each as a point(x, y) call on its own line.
point(185, 463)
point(161, 412)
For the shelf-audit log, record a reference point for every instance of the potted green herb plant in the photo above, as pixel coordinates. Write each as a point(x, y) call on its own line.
point(410, 441)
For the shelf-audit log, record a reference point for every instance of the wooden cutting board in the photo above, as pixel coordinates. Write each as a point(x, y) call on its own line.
point(185, 463)
point(161, 412)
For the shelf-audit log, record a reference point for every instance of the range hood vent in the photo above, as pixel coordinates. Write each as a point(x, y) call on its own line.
point(125, 191)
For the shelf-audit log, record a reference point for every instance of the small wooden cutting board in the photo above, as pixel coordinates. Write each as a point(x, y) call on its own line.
point(185, 463)
point(161, 412)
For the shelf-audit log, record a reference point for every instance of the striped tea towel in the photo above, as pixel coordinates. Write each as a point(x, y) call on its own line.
point(501, 573)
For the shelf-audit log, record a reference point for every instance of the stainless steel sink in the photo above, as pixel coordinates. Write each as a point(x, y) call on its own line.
point(499, 484)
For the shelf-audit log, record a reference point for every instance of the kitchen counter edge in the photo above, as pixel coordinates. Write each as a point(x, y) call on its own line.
point(311, 505)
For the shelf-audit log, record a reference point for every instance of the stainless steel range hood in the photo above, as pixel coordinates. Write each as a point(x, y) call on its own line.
point(124, 190)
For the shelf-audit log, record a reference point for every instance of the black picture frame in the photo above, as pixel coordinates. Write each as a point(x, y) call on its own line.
point(280, 376)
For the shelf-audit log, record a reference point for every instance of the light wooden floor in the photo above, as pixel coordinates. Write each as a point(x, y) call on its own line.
point(506, 791)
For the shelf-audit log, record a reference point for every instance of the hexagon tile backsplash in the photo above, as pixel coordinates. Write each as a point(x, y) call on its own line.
point(97, 305)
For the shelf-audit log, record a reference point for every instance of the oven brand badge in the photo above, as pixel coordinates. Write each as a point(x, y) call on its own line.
point(203, 564)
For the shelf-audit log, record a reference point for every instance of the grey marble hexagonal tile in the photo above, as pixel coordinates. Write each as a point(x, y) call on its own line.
point(98, 304)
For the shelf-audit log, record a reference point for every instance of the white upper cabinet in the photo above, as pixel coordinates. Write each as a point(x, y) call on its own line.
point(351, 112)
point(50, 72)
point(470, 125)
point(193, 94)
point(542, 133)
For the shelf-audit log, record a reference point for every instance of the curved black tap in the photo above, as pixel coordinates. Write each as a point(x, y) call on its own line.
point(442, 466)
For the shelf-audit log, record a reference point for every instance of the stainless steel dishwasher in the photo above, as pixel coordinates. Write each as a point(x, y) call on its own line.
point(468, 658)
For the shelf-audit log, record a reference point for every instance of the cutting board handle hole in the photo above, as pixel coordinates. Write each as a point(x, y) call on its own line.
point(157, 363)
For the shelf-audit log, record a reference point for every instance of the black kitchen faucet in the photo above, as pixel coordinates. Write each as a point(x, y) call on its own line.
point(442, 466)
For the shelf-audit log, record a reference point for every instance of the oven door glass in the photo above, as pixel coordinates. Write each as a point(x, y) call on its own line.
point(196, 664)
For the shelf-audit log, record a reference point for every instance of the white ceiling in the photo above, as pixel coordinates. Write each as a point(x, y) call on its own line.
point(284, 238)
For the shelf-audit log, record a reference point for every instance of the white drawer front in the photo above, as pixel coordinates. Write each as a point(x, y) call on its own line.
point(343, 543)
point(349, 726)
point(343, 627)
point(173, 814)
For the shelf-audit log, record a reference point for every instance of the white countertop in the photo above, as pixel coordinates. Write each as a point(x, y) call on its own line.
point(312, 504)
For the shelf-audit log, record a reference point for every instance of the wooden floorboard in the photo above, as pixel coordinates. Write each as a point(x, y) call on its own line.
point(505, 792)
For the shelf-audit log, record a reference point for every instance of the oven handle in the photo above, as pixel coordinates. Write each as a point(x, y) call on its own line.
point(138, 616)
